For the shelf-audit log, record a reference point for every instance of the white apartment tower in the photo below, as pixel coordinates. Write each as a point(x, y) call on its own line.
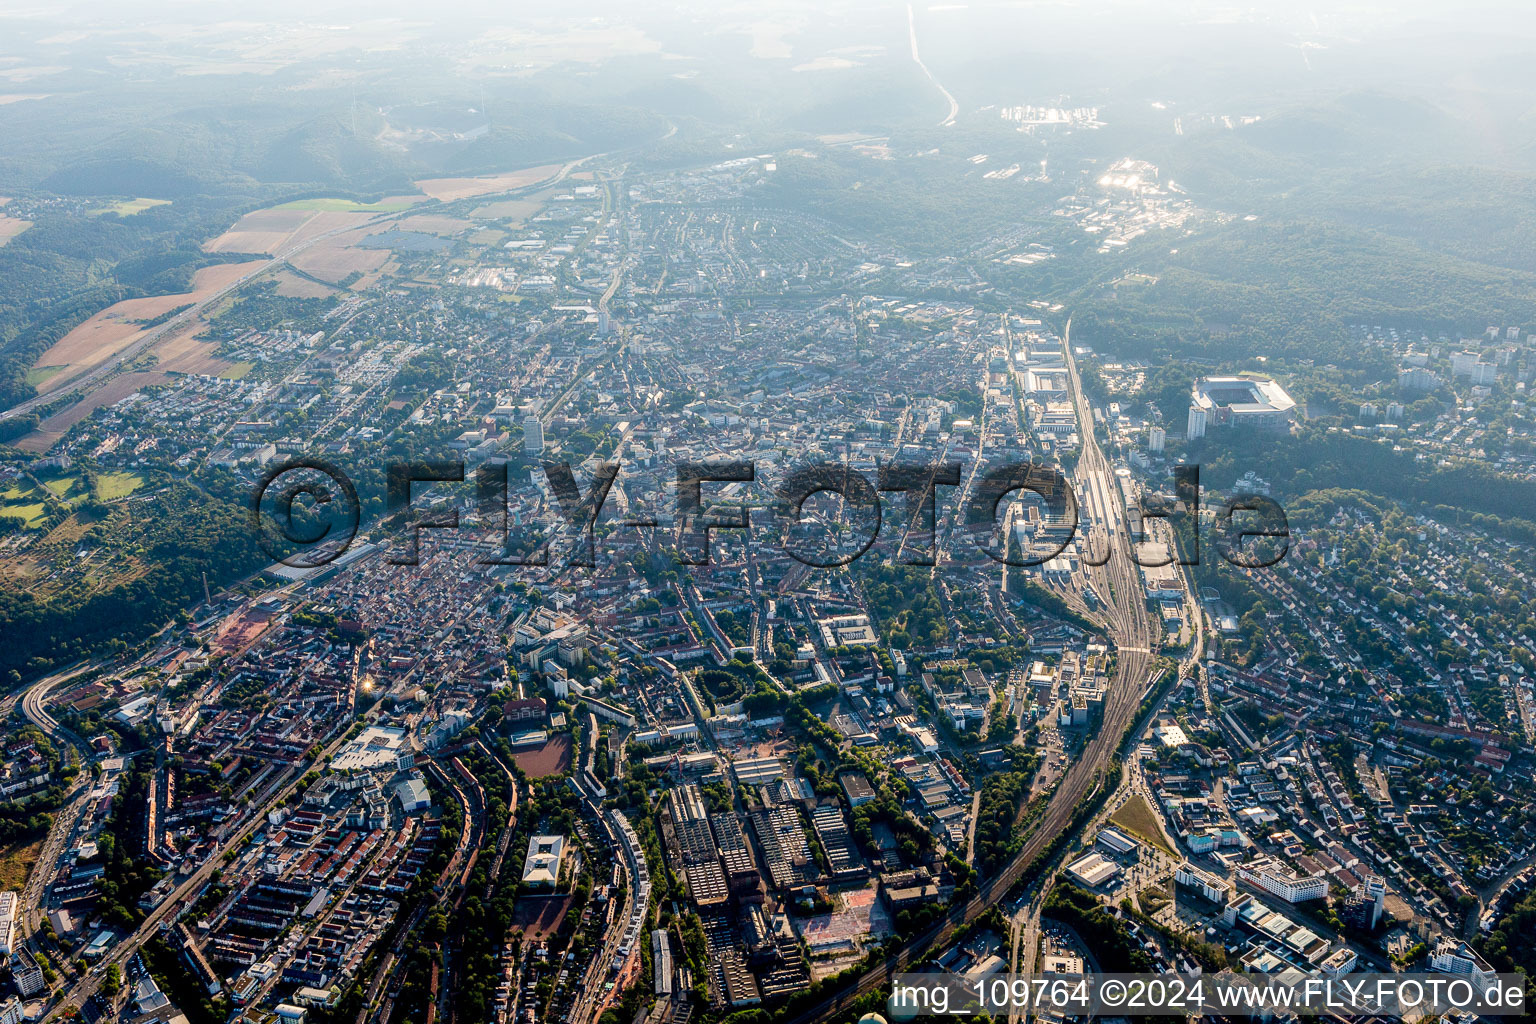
point(1196, 427)
point(1374, 888)
point(9, 906)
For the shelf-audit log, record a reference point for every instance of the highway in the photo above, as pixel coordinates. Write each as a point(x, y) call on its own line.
point(33, 707)
point(63, 829)
point(954, 107)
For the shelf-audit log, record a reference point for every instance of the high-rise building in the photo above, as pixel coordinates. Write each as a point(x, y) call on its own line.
point(1472, 365)
point(1156, 438)
point(1417, 378)
point(1455, 956)
point(1196, 426)
point(9, 905)
point(1362, 908)
point(1375, 889)
point(27, 975)
point(533, 436)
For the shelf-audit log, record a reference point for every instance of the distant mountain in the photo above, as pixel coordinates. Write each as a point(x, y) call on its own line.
point(326, 151)
point(1357, 126)
point(124, 176)
point(537, 133)
point(1353, 133)
point(874, 98)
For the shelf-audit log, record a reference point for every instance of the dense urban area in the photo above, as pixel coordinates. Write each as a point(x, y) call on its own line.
point(636, 588)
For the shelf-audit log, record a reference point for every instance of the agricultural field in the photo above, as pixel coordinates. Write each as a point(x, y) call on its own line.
point(10, 227)
point(292, 286)
point(394, 204)
point(336, 259)
point(277, 229)
point(487, 237)
point(55, 426)
point(184, 352)
point(435, 224)
point(118, 484)
point(508, 209)
point(129, 207)
point(25, 502)
point(449, 189)
point(120, 325)
point(39, 374)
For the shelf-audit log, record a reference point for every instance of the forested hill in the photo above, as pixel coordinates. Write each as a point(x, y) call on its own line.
point(175, 536)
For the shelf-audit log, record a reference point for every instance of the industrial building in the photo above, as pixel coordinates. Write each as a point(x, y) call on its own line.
point(1093, 870)
point(1116, 841)
point(661, 964)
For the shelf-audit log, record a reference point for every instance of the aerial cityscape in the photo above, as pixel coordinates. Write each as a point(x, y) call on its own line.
point(699, 513)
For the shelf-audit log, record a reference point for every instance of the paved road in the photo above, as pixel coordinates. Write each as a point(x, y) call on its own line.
point(954, 107)
point(1131, 627)
point(64, 822)
point(86, 987)
point(100, 373)
point(279, 259)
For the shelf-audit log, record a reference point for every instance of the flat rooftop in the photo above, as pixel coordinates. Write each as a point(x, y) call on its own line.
point(1093, 870)
point(1241, 394)
point(376, 747)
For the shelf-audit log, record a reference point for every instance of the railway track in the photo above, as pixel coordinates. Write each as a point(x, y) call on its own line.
point(1131, 628)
